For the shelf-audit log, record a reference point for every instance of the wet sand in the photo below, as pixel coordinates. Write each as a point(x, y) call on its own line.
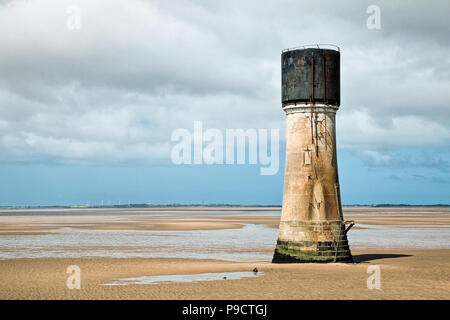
point(412, 274)
point(407, 273)
point(197, 219)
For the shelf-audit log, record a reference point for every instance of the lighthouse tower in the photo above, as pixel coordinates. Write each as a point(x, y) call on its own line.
point(312, 227)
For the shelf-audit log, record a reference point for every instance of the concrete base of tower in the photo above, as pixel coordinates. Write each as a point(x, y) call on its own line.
point(308, 251)
point(312, 241)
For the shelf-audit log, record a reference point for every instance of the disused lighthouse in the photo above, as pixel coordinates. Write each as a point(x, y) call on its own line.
point(312, 227)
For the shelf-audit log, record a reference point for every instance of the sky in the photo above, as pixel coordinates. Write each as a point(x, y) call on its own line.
point(92, 91)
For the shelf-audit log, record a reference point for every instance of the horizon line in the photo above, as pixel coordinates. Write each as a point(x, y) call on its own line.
point(211, 205)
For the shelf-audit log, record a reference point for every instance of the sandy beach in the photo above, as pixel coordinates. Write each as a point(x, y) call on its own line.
point(410, 269)
point(419, 274)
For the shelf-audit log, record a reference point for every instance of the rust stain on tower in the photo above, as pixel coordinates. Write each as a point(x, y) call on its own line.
point(312, 227)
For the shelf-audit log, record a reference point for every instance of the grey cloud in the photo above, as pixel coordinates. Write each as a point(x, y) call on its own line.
point(404, 159)
point(439, 180)
point(431, 179)
point(139, 69)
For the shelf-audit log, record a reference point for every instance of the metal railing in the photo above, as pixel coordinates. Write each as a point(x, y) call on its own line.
point(318, 46)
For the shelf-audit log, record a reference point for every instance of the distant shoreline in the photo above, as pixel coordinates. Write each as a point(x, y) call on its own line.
point(217, 206)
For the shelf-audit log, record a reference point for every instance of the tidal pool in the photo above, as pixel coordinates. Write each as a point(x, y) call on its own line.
point(184, 278)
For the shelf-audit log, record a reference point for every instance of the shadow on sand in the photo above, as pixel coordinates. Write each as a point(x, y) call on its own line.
point(369, 257)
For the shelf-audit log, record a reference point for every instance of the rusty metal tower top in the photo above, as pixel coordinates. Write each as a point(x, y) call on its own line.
point(310, 74)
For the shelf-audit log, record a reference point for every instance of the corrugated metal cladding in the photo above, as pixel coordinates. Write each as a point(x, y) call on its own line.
point(297, 72)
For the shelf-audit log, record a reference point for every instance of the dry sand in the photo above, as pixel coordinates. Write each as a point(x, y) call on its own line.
point(412, 274)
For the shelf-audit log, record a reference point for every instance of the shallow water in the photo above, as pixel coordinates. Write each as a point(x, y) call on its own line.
point(184, 278)
point(251, 243)
point(419, 237)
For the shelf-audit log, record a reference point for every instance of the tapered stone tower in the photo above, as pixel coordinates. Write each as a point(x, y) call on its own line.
point(312, 227)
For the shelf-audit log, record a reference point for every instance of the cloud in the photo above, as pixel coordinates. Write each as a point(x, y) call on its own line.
point(406, 158)
point(394, 177)
point(440, 180)
point(358, 129)
point(114, 90)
